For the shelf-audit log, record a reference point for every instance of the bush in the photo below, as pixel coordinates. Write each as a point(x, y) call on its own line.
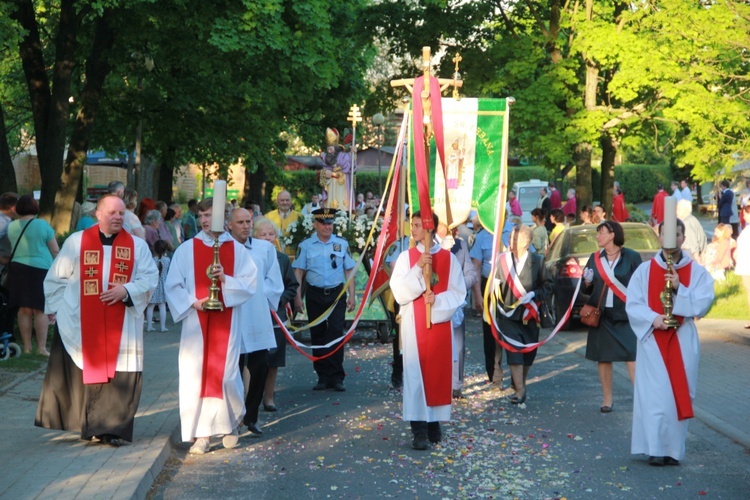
point(638, 182)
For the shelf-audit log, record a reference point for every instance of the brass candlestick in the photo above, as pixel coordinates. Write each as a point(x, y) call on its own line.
point(213, 303)
point(666, 295)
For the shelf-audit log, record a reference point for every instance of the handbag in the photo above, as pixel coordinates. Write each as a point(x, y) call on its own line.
point(5, 271)
point(591, 315)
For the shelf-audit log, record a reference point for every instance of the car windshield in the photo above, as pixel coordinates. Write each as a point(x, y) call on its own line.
point(638, 237)
point(528, 197)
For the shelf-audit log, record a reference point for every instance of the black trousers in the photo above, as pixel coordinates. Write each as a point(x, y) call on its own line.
point(256, 363)
point(398, 358)
point(331, 369)
point(490, 344)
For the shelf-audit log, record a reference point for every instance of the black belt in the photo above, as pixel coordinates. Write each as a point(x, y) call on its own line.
point(326, 291)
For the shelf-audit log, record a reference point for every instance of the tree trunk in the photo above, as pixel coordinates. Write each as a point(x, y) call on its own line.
point(609, 152)
point(255, 187)
point(7, 172)
point(582, 159)
point(166, 176)
point(67, 184)
point(58, 188)
point(146, 178)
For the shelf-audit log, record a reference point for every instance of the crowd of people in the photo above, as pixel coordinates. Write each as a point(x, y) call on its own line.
point(131, 258)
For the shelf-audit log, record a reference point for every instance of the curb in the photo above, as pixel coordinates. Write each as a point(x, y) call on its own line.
point(21, 378)
point(149, 478)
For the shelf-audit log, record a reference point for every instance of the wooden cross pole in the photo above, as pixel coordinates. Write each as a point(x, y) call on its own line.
point(428, 132)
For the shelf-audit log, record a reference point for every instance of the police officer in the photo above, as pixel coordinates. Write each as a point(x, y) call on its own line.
point(323, 261)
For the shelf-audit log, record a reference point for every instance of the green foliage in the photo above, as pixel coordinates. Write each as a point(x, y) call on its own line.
point(638, 182)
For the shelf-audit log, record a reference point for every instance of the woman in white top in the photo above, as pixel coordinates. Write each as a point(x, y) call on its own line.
point(742, 254)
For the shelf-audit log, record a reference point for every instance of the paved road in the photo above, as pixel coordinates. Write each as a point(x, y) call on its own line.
point(354, 445)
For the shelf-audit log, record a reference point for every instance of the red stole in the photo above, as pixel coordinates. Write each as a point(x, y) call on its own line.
point(434, 344)
point(215, 325)
point(101, 324)
point(667, 340)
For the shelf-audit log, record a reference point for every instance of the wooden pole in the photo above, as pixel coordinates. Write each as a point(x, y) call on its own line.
point(428, 131)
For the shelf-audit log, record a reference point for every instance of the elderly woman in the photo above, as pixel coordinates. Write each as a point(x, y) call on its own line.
point(264, 229)
point(132, 223)
point(35, 248)
point(523, 283)
point(606, 277)
point(151, 223)
point(570, 206)
point(88, 216)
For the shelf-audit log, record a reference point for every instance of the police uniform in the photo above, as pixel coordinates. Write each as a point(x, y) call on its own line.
point(325, 265)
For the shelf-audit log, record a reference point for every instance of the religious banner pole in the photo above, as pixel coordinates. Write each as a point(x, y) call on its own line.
point(354, 117)
point(427, 124)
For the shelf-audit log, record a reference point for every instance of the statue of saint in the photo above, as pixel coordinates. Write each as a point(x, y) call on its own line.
point(336, 175)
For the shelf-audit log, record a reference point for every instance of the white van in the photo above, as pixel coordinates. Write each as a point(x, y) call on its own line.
point(527, 193)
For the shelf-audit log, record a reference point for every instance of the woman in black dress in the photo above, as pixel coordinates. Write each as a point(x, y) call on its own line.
point(613, 340)
point(524, 272)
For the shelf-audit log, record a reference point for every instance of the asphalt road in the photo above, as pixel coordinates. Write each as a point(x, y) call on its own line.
point(557, 445)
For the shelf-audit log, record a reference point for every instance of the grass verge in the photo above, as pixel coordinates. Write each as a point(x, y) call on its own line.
point(731, 299)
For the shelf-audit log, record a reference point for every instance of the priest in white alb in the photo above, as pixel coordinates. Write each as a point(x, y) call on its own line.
point(256, 328)
point(427, 352)
point(210, 389)
point(666, 363)
point(98, 286)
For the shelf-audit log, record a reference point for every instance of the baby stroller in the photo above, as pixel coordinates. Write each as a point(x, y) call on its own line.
point(8, 348)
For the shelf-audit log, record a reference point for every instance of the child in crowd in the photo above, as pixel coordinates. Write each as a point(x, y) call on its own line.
point(158, 298)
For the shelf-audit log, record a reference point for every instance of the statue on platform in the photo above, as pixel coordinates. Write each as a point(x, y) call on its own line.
point(336, 175)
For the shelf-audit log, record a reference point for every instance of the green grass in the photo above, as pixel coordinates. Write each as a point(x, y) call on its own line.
point(731, 299)
point(24, 363)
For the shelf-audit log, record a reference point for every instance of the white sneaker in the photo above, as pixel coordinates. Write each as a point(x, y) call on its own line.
point(200, 446)
point(231, 440)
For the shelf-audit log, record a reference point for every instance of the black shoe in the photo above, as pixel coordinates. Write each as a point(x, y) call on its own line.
point(434, 434)
point(320, 386)
point(110, 440)
point(397, 381)
point(671, 461)
point(656, 461)
point(338, 387)
point(518, 401)
point(254, 430)
point(269, 407)
point(607, 409)
point(457, 394)
point(420, 442)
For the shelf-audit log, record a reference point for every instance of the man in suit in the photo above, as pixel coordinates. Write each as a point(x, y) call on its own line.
point(726, 198)
point(545, 204)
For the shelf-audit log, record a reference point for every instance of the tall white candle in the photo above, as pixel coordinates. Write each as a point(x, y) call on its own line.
point(220, 201)
point(669, 229)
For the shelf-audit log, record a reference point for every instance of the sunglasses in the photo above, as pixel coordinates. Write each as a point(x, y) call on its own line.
point(333, 262)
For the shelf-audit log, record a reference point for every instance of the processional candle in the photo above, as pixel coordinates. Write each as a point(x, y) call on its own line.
point(220, 200)
point(669, 227)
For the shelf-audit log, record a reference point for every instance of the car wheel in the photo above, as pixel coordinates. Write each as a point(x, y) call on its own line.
point(560, 312)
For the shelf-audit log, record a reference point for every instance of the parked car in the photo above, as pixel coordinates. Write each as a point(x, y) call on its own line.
point(570, 252)
point(527, 193)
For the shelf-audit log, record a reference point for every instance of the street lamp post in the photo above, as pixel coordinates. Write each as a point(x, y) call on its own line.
point(378, 120)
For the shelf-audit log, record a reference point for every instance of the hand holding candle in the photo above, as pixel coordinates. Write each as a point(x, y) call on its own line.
point(669, 227)
point(220, 200)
